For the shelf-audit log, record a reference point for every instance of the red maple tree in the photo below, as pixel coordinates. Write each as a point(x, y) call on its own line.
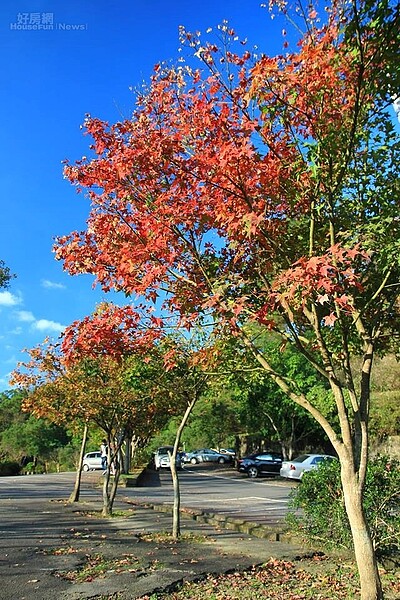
point(255, 190)
point(95, 376)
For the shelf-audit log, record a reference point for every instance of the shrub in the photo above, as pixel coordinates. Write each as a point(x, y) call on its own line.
point(317, 507)
point(9, 467)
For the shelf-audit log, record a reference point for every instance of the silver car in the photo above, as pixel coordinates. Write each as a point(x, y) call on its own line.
point(207, 455)
point(295, 469)
point(92, 461)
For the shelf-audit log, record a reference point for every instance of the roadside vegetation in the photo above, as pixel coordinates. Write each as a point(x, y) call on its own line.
point(319, 517)
point(317, 578)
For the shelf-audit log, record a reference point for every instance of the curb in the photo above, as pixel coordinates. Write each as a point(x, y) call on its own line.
point(273, 533)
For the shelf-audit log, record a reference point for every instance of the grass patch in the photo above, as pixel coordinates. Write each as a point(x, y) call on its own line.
point(165, 537)
point(97, 565)
point(122, 513)
point(60, 551)
point(97, 514)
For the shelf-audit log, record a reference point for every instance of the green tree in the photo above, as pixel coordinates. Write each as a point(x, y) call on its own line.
point(34, 438)
point(10, 408)
point(5, 275)
point(254, 406)
point(24, 436)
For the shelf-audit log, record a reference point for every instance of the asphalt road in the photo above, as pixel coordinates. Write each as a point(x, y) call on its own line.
point(221, 490)
point(43, 539)
point(54, 485)
point(203, 487)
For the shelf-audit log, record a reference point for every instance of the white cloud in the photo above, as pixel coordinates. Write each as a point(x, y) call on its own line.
point(10, 361)
point(396, 106)
point(25, 315)
point(8, 299)
point(46, 325)
point(16, 331)
point(52, 285)
point(4, 381)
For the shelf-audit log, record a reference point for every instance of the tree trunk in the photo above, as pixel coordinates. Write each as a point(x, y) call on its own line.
point(114, 487)
point(176, 515)
point(107, 499)
point(291, 440)
point(127, 455)
point(107, 503)
point(176, 518)
point(371, 588)
point(113, 468)
point(116, 472)
point(74, 497)
point(352, 481)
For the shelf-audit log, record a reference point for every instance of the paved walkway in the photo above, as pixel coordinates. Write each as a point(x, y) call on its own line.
point(45, 543)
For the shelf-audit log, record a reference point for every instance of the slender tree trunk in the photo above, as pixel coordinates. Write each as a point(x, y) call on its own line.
point(371, 588)
point(107, 504)
point(291, 440)
point(117, 468)
point(176, 517)
point(114, 486)
point(176, 510)
point(127, 457)
point(274, 427)
point(113, 468)
point(74, 497)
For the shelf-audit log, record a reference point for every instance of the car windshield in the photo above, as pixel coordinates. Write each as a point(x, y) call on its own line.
point(165, 450)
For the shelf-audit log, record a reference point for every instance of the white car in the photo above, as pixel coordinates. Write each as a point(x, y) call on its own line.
point(229, 451)
point(295, 469)
point(162, 460)
point(92, 461)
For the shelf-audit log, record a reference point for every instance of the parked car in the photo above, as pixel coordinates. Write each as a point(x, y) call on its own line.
point(91, 461)
point(162, 460)
point(229, 451)
point(207, 455)
point(295, 469)
point(262, 463)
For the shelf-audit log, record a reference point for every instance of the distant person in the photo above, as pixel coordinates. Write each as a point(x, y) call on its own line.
point(103, 451)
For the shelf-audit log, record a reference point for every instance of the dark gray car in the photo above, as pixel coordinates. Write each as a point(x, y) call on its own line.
point(207, 455)
point(262, 463)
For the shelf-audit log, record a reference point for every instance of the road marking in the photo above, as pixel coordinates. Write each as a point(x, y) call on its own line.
point(266, 509)
point(238, 477)
point(241, 500)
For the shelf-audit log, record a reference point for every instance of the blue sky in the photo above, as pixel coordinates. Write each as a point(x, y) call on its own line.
point(85, 62)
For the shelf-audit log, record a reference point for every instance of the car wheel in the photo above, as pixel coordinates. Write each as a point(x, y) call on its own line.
point(193, 461)
point(252, 472)
point(221, 461)
point(85, 467)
